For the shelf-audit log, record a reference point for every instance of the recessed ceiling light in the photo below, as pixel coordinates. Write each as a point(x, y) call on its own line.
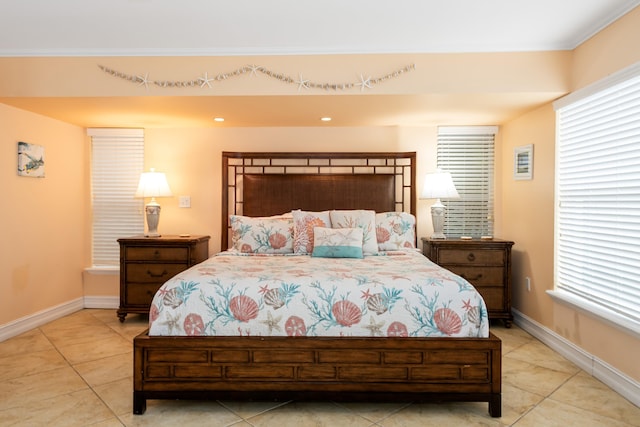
point(218, 119)
point(325, 119)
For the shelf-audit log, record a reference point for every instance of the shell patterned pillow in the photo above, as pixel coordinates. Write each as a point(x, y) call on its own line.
point(395, 231)
point(261, 235)
point(303, 224)
point(359, 218)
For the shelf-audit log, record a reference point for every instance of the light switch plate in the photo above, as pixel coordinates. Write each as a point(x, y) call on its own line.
point(184, 201)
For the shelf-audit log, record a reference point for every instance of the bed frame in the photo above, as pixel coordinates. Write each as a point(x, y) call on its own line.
point(317, 368)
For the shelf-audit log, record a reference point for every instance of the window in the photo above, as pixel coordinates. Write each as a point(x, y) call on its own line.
point(117, 159)
point(467, 153)
point(598, 199)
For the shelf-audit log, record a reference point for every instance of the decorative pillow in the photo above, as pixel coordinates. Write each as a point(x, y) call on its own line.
point(261, 235)
point(303, 225)
point(366, 220)
point(337, 242)
point(395, 231)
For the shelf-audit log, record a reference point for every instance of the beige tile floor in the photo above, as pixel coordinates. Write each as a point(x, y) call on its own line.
point(76, 371)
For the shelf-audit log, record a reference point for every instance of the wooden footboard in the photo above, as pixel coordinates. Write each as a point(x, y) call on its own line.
point(314, 368)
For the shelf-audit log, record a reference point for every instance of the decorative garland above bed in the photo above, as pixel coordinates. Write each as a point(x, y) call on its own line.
point(206, 81)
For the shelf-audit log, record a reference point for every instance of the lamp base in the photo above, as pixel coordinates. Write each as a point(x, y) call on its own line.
point(153, 218)
point(437, 217)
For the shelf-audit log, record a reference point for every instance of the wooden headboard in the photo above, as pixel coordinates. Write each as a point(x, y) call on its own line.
point(264, 184)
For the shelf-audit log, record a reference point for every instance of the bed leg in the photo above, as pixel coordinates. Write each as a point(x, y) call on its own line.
point(495, 405)
point(139, 403)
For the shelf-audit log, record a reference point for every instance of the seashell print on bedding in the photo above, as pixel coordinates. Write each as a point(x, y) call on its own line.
point(399, 293)
point(447, 321)
point(346, 313)
point(243, 308)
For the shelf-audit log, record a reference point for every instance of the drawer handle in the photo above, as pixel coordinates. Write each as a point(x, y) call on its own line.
point(471, 279)
point(156, 276)
point(156, 254)
point(471, 257)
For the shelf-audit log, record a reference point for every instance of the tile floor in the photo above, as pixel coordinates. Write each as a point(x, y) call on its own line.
point(76, 371)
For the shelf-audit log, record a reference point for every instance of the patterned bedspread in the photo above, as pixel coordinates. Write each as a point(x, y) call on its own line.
point(392, 294)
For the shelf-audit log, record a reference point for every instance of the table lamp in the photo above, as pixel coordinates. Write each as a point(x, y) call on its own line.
point(153, 184)
point(438, 185)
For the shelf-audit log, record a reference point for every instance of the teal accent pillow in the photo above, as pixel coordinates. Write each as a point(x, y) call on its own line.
point(337, 242)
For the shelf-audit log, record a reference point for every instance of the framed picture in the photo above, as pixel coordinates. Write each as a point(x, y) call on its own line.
point(30, 160)
point(523, 162)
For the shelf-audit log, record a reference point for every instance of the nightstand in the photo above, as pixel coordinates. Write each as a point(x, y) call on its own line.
point(147, 262)
point(486, 264)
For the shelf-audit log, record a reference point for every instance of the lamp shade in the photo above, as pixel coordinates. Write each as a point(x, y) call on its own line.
point(153, 184)
point(439, 185)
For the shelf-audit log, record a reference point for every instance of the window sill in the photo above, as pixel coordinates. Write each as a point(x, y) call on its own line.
point(103, 270)
point(610, 317)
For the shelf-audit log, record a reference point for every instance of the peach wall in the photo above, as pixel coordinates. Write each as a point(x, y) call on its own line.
point(528, 211)
point(42, 219)
point(528, 208)
point(612, 49)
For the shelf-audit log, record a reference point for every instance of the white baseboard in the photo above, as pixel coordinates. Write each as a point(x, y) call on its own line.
point(101, 302)
point(618, 381)
point(35, 320)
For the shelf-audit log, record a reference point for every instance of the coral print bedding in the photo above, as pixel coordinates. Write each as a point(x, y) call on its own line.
point(390, 294)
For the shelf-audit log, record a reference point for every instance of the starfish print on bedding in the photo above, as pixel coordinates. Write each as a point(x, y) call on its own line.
point(205, 80)
point(374, 328)
point(272, 323)
point(365, 294)
point(172, 322)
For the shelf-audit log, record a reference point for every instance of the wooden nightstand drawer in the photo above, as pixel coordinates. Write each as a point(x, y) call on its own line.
point(479, 276)
point(493, 297)
point(471, 256)
point(141, 294)
point(157, 254)
point(152, 273)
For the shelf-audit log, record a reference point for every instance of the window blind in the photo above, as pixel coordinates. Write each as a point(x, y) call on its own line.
point(117, 160)
point(598, 196)
point(467, 152)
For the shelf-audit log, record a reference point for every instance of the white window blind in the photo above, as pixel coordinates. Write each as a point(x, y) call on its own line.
point(117, 159)
point(598, 196)
point(467, 152)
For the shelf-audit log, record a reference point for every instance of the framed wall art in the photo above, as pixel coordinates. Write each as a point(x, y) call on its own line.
point(30, 160)
point(523, 162)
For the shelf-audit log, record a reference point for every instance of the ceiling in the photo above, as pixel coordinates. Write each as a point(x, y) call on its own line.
point(292, 27)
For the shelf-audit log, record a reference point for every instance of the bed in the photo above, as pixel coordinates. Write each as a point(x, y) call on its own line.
point(277, 359)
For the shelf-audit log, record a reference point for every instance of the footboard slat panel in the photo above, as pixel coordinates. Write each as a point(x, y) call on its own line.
point(422, 369)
